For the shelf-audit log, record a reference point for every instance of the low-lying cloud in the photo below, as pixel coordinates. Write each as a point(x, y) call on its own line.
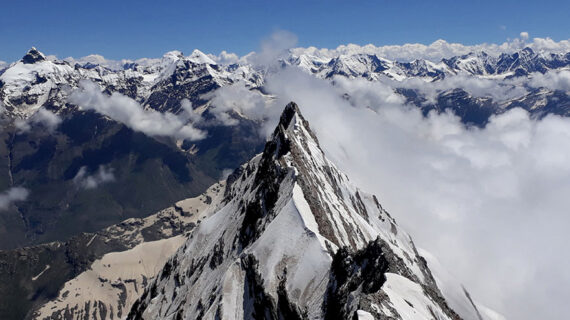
point(14, 194)
point(553, 80)
point(129, 112)
point(238, 98)
point(43, 117)
point(91, 181)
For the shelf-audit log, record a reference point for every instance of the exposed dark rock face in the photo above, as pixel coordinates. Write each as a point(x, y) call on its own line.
point(356, 278)
point(362, 270)
point(33, 56)
point(267, 181)
point(258, 304)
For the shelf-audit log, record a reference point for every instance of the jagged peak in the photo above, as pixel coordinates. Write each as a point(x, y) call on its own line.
point(291, 109)
point(292, 118)
point(527, 51)
point(32, 56)
point(173, 55)
point(200, 57)
point(292, 125)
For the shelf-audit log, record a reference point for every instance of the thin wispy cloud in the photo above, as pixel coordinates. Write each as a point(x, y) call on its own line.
point(12, 195)
point(85, 180)
point(42, 117)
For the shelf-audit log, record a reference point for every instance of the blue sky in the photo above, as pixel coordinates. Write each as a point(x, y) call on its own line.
point(134, 29)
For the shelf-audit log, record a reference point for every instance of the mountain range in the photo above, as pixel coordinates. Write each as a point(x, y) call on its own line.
point(96, 188)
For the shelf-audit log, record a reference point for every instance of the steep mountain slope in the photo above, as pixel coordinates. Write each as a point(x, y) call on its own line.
point(97, 275)
point(294, 239)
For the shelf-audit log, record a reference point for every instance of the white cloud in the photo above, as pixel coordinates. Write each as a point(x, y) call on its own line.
point(49, 119)
point(86, 181)
point(273, 47)
point(225, 58)
point(372, 94)
point(524, 35)
point(238, 98)
point(129, 112)
point(44, 117)
point(98, 59)
point(553, 79)
point(226, 173)
point(8, 197)
point(497, 89)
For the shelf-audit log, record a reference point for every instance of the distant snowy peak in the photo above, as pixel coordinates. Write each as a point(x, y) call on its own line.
point(367, 65)
point(35, 82)
point(161, 84)
point(33, 56)
point(295, 239)
point(200, 57)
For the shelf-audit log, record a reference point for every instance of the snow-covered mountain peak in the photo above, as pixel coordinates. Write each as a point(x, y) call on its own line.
point(173, 55)
point(32, 56)
point(294, 239)
point(198, 56)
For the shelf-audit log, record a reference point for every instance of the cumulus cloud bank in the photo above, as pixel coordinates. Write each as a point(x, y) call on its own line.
point(14, 194)
point(129, 112)
point(92, 181)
